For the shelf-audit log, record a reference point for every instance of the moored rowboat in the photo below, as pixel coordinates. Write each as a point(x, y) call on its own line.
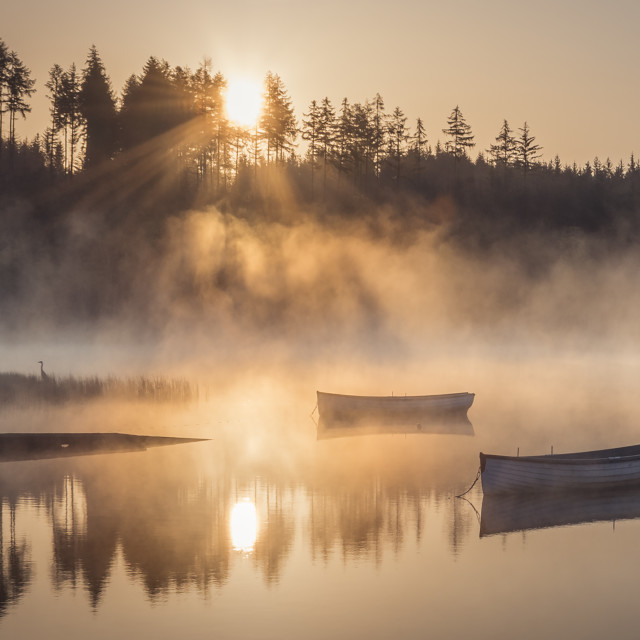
point(584, 471)
point(337, 410)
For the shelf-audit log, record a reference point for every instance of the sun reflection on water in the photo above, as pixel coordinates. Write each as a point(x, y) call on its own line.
point(244, 526)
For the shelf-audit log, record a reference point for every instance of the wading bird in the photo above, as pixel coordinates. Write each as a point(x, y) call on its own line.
point(43, 375)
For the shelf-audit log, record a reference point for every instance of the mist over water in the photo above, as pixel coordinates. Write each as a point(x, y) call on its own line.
point(227, 284)
point(259, 314)
point(257, 317)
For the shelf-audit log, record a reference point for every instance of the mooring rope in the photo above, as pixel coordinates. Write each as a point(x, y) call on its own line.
point(473, 485)
point(313, 417)
point(478, 516)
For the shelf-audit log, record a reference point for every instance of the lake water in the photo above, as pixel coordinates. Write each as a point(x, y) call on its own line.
point(265, 532)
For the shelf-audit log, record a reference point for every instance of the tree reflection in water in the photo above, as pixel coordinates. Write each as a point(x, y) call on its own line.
point(179, 525)
point(15, 566)
point(275, 536)
point(84, 541)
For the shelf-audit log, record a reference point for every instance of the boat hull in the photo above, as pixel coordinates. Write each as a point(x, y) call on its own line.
point(337, 410)
point(588, 471)
point(394, 414)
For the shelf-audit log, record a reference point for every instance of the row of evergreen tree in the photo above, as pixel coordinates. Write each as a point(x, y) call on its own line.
point(90, 125)
point(182, 112)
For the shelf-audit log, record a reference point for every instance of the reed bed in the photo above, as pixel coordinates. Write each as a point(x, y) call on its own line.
point(24, 390)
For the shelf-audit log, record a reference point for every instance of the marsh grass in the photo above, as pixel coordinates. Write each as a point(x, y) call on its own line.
point(17, 389)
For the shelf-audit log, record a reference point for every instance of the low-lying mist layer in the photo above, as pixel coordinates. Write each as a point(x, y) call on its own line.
point(306, 282)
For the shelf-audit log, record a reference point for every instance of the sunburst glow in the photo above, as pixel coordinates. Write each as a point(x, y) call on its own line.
point(244, 526)
point(243, 101)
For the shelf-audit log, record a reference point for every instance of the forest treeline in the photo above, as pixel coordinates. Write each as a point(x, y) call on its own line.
point(95, 192)
point(176, 118)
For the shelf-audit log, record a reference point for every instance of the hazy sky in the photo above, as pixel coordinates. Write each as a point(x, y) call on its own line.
point(567, 67)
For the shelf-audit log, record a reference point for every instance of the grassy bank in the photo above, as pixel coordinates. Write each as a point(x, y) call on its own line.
point(17, 389)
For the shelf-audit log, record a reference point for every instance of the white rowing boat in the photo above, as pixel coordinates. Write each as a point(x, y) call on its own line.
point(394, 414)
point(585, 471)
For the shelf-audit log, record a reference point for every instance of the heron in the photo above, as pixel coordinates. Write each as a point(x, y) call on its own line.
point(43, 375)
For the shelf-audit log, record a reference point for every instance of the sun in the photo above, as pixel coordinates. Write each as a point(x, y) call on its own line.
point(243, 101)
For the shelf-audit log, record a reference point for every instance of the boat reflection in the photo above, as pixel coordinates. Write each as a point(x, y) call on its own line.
point(459, 425)
point(508, 513)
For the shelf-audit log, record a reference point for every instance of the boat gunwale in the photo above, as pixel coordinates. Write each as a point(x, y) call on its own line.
point(589, 458)
point(459, 394)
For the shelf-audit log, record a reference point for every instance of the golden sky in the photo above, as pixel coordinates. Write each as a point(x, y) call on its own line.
point(567, 67)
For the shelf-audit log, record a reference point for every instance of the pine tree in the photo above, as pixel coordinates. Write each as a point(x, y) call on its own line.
point(154, 103)
point(207, 89)
point(557, 165)
point(128, 113)
point(19, 86)
point(420, 145)
point(98, 109)
point(71, 116)
point(343, 138)
point(223, 152)
point(54, 84)
point(278, 122)
point(255, 144)
point(608, 168)
point(209, 94)
point(4, 76)
point(527, 152)
point(326, 136)
point(503, 153)
point(618, 172)
point(379, 131)
point(460, 133)
point(398, 137)
point(361, 139)
point(633, 174)
point(239, 138)
point(311, 125)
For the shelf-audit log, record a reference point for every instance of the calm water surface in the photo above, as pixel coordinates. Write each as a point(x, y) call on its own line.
point(265, 532)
